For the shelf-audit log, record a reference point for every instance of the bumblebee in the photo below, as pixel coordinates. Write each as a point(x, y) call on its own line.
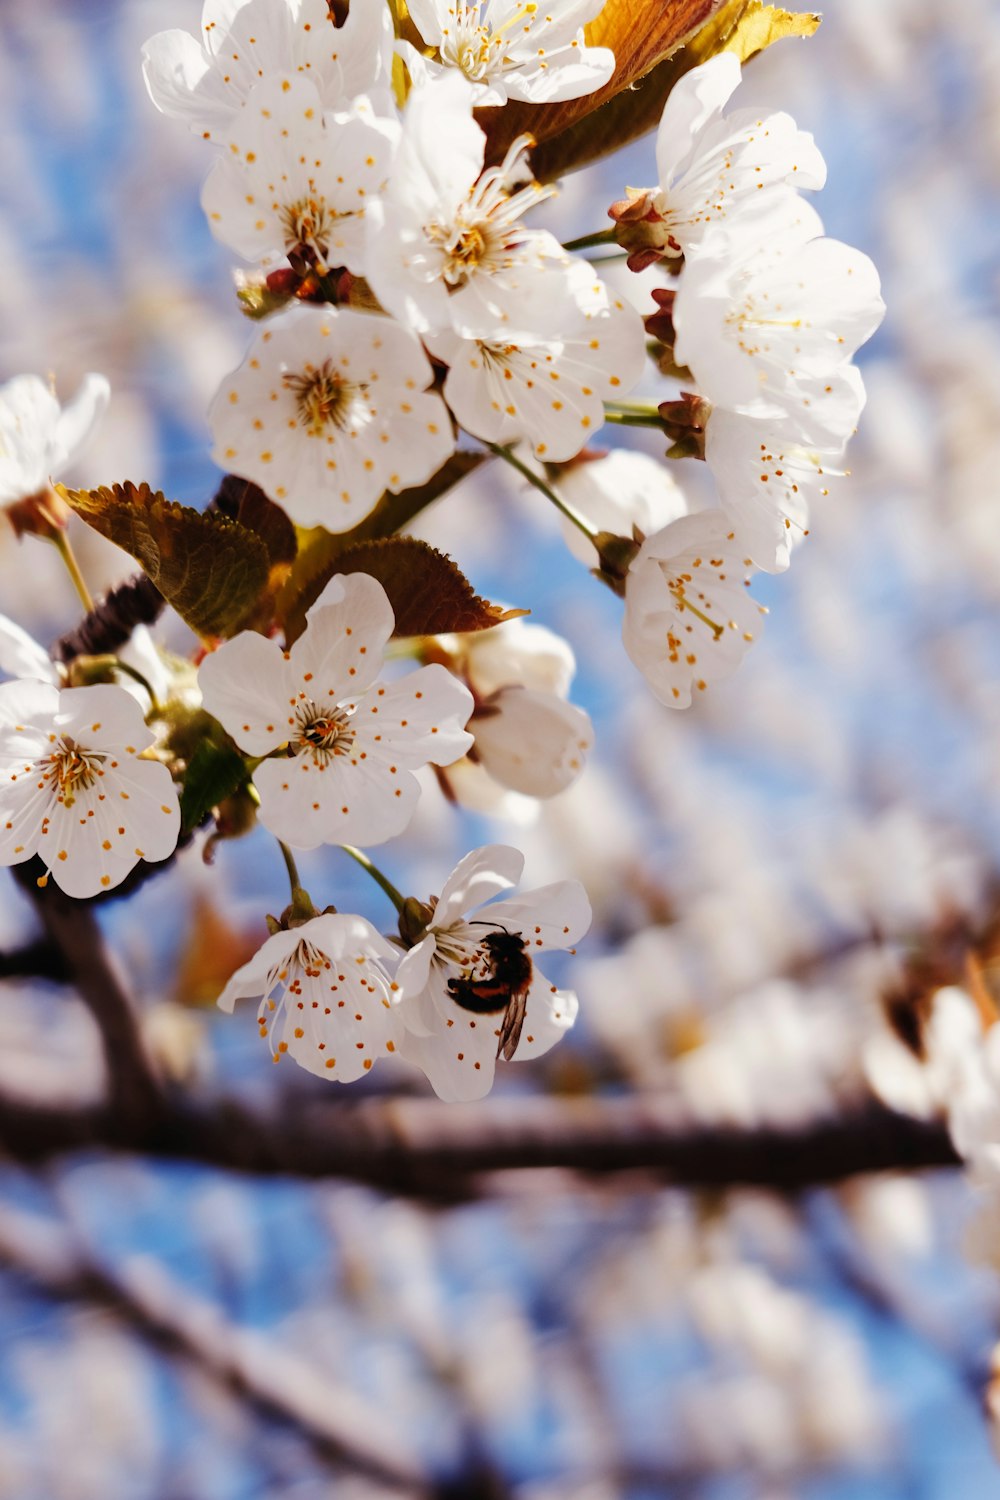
point(503, 987)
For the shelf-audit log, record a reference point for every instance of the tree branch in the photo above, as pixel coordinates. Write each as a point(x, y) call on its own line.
point(423, 1149)
point(71, 928)
point(277, 1382)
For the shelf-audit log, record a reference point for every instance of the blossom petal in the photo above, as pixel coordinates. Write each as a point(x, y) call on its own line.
point(554, 916)
point(245, 684)
point(478, 877)
point(347, 801)
point(78, 419)
point(532, 742)
point(417, 719)
point(341, 652)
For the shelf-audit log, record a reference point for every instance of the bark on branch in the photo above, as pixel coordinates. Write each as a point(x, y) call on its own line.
point(423, 1149)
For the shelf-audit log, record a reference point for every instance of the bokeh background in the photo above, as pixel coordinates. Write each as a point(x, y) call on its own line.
point(758, 865)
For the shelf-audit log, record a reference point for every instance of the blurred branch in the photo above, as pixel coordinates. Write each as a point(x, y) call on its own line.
point(72, 931)
point(40, 959)
point(424, 1149)
point(276, 1381)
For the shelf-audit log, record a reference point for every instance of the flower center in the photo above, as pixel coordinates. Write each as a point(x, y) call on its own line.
point(308, 224)
point(73, 769)
point(483, 235)
point(323, 398)
point(477, 49)
point(322, 733)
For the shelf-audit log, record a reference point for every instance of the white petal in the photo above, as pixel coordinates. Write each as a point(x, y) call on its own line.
point(20, 656)
point(477, 878)
point(345, 802)
point(416, 720)
point(554, 916)
point(343, 646)
point(534, 743)
point(550, 1014)
point(78, 420)
point(246, 685)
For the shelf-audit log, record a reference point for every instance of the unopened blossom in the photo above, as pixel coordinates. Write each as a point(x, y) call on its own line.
point(768, 475)
point(447, 248)
point(688, 616)
point(548, 388)
point(75, 787)
point(766, 327)
point(296, 182)
point(620, 492)
point(326, 996)
point(509, 50)
point(342, 746)
point(328, 411)
point(38, 437)
point(714, 169)
point(527, 737)
point(244, 42)
point(455, 1046)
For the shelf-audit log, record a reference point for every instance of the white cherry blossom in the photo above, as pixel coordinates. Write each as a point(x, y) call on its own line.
point(296, 182)
point(716, 169)
point(326, 996)
point(618, 492)
point(527, 737)
point(688, 616)
point(38, 437)
point(347, 744)
point(509, 50)
point(457, 1047)
point(328, 411)
point(205, 83)
point(447, 249)
point(550, 388)
point(75, 787)
point(765, 327)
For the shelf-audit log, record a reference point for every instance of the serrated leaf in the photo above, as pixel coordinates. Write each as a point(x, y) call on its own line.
point(641, 33)
point(429, 593)
point(243, 501)
point(209, 568)
point(744, 27)
point(319, 551)
point(214, 773)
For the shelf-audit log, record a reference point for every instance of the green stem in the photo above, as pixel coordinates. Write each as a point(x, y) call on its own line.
point(590, 532)
point(632, 419)
point(154, 706)
point(601, 237)
point(292, 868)
point(376, 875)
point(61, 543)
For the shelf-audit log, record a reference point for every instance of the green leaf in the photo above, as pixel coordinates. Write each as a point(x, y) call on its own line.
point(319, 550)
point(745, 27)
point(429, 593)
point(211, 569)
point(214, 773)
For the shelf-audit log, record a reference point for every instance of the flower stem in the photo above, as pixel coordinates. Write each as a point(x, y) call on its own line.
point(154, 705)
point(292, 868)
point(61, 543)
point(580, 522)
point(376, 875)
point(601, 237)
point(633, 414)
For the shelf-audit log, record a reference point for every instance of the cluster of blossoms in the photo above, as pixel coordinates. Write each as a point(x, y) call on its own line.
point(408, 310)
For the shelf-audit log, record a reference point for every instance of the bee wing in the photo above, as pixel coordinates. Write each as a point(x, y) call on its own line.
point(513, 1022)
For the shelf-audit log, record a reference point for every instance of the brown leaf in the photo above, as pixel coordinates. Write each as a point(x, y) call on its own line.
point(745, 27)
point(211, 569)
point(319, 551)
point(641, 33)
point(429, 593)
